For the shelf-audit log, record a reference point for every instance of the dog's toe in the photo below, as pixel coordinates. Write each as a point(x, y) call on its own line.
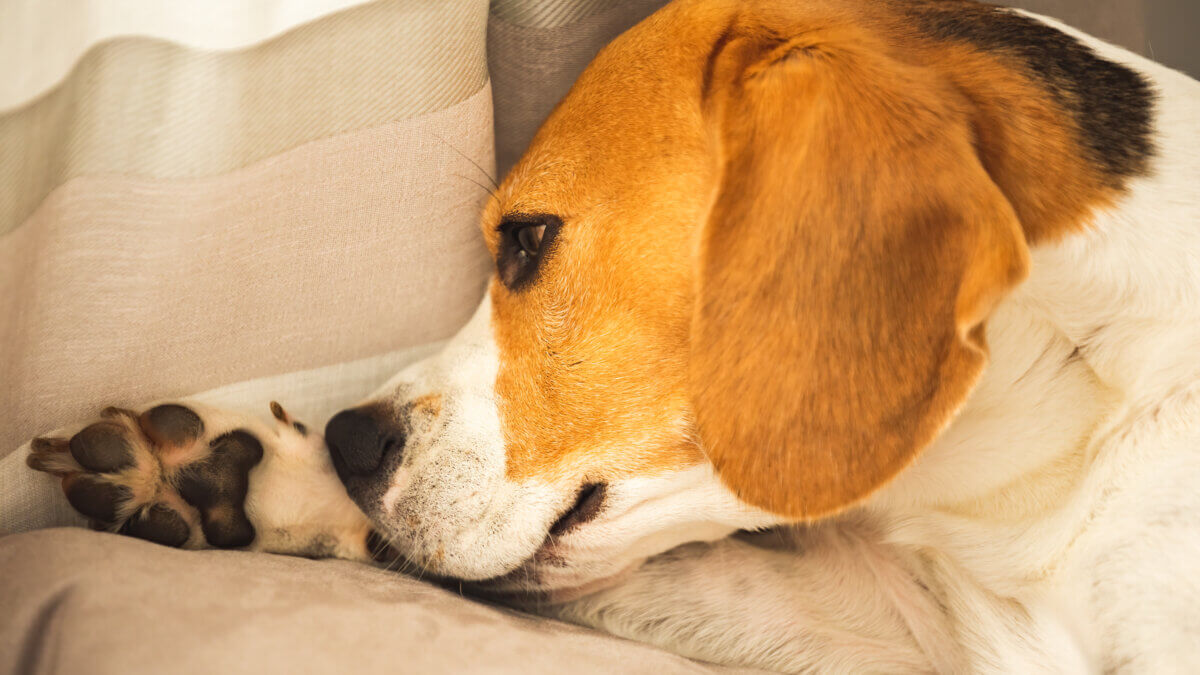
point(96, 497)
point(158, 523)
point(53, 456)
point(102, 447)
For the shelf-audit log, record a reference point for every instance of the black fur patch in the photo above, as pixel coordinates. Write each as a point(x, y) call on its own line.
point(1112, 105)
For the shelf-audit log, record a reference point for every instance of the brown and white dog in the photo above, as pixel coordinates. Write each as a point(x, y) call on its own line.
point(914, 282)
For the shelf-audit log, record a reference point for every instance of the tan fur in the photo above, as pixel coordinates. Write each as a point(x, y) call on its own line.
point(1029, 145)
point(429, 405)
point(845, 270)
point(592, 383)
point(855, 198)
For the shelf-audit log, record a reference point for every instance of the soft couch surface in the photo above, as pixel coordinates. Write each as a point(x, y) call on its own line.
point(76, 601)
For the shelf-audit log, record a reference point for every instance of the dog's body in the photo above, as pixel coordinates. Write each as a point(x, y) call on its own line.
point(1053, 526)
point(1047, 522)
point(1055, 522)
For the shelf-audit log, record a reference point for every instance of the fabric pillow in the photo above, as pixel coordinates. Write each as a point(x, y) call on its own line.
point(536, 49)
point(176, 217)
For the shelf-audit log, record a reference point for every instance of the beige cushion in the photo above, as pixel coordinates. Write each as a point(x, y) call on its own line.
point(85, 602)
point(48, 50)
point(176, 217)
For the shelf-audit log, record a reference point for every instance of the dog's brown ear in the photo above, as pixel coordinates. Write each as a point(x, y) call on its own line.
point(854, 250)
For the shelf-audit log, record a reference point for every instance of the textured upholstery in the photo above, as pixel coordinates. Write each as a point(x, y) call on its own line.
point(83, 602)
point(177, 217)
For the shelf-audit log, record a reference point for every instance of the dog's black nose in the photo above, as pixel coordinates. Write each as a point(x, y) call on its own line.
point(358, 442)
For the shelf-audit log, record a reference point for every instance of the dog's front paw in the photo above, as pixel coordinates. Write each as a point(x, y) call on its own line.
point(157, 476)
point(193, 477)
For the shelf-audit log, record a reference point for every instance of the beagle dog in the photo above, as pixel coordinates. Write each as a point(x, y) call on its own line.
point(825, 335)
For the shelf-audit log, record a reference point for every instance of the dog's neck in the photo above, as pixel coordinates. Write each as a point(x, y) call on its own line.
point(1106, 331)
point(1124, 290)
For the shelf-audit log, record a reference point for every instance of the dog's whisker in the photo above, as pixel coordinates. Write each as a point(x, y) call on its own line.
point(460, 153)
point(490, 193)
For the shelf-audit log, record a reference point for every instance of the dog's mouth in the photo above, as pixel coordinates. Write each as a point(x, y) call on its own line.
point(589, 502)
point(526, 581)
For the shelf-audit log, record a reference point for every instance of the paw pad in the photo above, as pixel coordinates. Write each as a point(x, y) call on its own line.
point(217, 486)
point(172, 425)
point(102, 447)
point(95, 497)
point(158, 523)
point(156, 477)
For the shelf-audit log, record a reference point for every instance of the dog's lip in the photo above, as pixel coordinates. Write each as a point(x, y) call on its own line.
point(588, 504)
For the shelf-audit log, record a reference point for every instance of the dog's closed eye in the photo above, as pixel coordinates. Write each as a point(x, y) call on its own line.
point(525, 241)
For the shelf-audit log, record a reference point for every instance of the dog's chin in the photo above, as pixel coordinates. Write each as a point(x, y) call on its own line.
point(553, 574)
point(537, 585)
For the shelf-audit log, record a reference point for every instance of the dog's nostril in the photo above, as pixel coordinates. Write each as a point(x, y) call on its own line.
point(389, 444)
point(358, 442)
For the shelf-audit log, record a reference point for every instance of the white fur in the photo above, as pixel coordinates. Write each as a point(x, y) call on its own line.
point(295, 500)
point(448, 506)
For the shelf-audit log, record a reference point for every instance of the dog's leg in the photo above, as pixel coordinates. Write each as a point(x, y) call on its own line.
point(191, 476)
point(836, 604)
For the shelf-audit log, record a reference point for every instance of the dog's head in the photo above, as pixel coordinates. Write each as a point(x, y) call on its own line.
point(742, 275)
